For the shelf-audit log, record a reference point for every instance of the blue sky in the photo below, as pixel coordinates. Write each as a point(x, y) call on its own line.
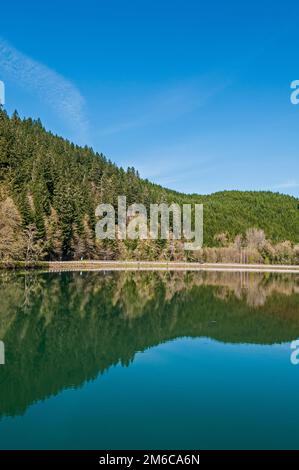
point(194, 94)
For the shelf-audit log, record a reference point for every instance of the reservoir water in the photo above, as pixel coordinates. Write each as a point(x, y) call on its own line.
point(149, 360)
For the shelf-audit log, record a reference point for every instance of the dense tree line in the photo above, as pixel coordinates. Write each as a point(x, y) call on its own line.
point(49, 189)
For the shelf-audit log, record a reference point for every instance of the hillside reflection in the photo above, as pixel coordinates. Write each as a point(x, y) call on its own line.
point(60, 330)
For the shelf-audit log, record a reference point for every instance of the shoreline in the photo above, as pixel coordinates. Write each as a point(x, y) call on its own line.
point(96, 265)
point(166, 266)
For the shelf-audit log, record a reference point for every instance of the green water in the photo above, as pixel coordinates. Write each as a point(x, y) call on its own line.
point(148, 360)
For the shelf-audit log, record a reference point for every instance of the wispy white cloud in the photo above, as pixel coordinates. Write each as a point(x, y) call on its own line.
point(59, 93)
point(169, 103)
point(176, 163)
point(291, 184)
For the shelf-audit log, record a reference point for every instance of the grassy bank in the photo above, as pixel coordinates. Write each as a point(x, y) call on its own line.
point(24, 265)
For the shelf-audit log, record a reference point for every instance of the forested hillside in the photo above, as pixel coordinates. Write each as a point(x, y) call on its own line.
point(49, 189)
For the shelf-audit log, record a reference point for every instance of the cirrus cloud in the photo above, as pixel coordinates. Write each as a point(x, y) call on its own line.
point(52, 88)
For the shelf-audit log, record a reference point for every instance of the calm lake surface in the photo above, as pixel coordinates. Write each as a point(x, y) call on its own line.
point(149, 360)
